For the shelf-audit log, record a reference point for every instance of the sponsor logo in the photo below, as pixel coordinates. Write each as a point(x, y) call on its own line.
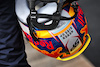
point(75, 45)
point(42, 43)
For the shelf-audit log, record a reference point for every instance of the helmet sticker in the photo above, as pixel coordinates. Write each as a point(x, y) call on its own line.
point(69, 38)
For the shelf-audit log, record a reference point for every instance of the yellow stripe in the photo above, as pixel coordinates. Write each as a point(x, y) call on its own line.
point(71, 11)
point(43, 34)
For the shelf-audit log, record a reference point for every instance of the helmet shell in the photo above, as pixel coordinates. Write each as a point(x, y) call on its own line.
point(65, 40)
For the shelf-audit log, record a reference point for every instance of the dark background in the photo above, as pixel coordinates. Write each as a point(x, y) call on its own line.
point(91, 9)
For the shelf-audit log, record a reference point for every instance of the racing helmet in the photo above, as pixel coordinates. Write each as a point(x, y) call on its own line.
point(56, 28)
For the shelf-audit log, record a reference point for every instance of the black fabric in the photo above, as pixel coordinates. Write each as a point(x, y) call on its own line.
point(12, 48)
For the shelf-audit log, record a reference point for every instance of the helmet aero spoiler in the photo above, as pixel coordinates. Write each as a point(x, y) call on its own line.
point(56, 28)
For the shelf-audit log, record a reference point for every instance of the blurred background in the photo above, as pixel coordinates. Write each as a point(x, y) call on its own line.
point(91, 9)
point(90, 57)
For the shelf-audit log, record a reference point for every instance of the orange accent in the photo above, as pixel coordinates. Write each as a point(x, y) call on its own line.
point(85, 20)
point(43, 34)
point(71, 11)
point(84, 30)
